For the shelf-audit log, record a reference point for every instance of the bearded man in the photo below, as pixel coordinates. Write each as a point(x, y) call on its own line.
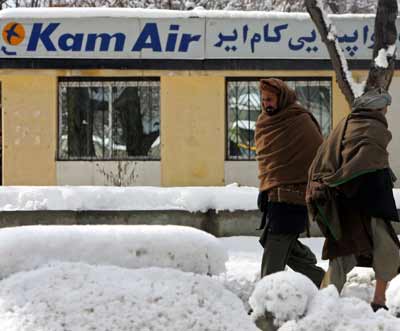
point(350, 195)
point(287, 137)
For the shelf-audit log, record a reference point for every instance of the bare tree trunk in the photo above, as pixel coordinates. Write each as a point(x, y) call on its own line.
point(385, 36)
point(326, 31)
point(380, 74)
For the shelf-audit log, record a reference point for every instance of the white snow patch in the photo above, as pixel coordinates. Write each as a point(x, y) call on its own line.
point(135, 246)
point(393, 296)
point(192, 199)
point(243, 266)
point(81, 297)
point(381, 59)
point(329, 312)
point(360, 284)
point(284, 294)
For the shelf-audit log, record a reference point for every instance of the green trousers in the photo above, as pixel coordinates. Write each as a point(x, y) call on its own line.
point(285, 249)
point(385, 258)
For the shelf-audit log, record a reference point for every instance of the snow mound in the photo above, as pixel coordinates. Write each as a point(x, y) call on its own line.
point(285, 294)
point(243, 267)
point(360, 284)
point(81, 297)
point(129, 246)
point(329, 312)
point(393, 296)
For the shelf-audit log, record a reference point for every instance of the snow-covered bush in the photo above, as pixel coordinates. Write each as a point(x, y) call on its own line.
point(76, 296)
point(284, 294)
point(393, 296)
point(135, 246)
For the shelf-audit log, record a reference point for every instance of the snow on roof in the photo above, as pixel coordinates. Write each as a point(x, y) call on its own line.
point(154, 13)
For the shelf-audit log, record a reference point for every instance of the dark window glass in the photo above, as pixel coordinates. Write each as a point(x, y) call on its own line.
point(109, 120)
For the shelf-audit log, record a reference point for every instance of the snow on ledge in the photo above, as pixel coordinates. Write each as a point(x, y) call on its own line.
point(74, 198)
point(192, 199)
point(76, 296)
point(136, 246)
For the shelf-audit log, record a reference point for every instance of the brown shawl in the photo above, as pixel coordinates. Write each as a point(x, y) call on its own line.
point(286, 142)
point(356, 146)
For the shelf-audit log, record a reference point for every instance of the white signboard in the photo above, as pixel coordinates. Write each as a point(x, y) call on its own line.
point(179, 38)
point(285, 39)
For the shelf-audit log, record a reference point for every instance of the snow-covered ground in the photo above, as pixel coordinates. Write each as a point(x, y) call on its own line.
point(115, 278)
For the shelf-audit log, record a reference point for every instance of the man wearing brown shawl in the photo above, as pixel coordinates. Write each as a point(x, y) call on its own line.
point(287, 138)
point(350, 195)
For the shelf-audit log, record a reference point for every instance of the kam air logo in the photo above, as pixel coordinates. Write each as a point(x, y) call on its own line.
point(50, 38)
point(13, 34)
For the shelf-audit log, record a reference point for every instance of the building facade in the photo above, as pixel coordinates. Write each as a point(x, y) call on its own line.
point(136, 97)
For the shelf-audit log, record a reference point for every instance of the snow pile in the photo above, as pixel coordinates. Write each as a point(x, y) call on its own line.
point(137, 246)
point(193, 199)
point(393, 296)
point(76, 296)
point(329, 312)
point(360, 284)
point(243, 266)
point(284, 294)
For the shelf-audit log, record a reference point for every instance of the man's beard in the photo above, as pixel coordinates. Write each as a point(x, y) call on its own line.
point(271, 110)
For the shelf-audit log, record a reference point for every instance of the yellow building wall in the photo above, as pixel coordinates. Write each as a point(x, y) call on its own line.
point(192, 130)
point(29, 129)
point(193, 116)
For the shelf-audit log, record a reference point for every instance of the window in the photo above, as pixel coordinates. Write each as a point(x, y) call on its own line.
point(109, 119)
point(243, 108)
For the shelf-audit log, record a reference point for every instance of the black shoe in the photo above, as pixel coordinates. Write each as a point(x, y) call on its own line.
point(250, 311)
point(376, 306)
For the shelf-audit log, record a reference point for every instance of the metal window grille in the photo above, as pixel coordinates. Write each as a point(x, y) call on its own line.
point(109, 119)
point(244, 106)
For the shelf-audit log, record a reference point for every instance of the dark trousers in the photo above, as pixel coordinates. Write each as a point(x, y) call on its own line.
point(285, 249)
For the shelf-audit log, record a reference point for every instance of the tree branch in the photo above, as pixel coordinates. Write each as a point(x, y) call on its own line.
point(328, 35)
point(384, 55)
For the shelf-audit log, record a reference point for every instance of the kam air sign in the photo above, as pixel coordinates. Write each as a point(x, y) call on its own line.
point(283, 37)
point(103, 38)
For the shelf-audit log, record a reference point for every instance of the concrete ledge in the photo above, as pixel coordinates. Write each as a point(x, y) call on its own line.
point(221, 224)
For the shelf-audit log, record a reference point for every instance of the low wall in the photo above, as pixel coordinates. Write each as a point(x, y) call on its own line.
point(220, 224)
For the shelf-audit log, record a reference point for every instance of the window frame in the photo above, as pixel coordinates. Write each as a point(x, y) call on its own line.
point(257, 79)
point(79, 80)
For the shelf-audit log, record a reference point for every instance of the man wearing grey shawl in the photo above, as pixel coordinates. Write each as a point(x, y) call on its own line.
point(350, 195)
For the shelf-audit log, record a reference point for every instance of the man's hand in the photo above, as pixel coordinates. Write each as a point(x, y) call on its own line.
point(262, 201)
